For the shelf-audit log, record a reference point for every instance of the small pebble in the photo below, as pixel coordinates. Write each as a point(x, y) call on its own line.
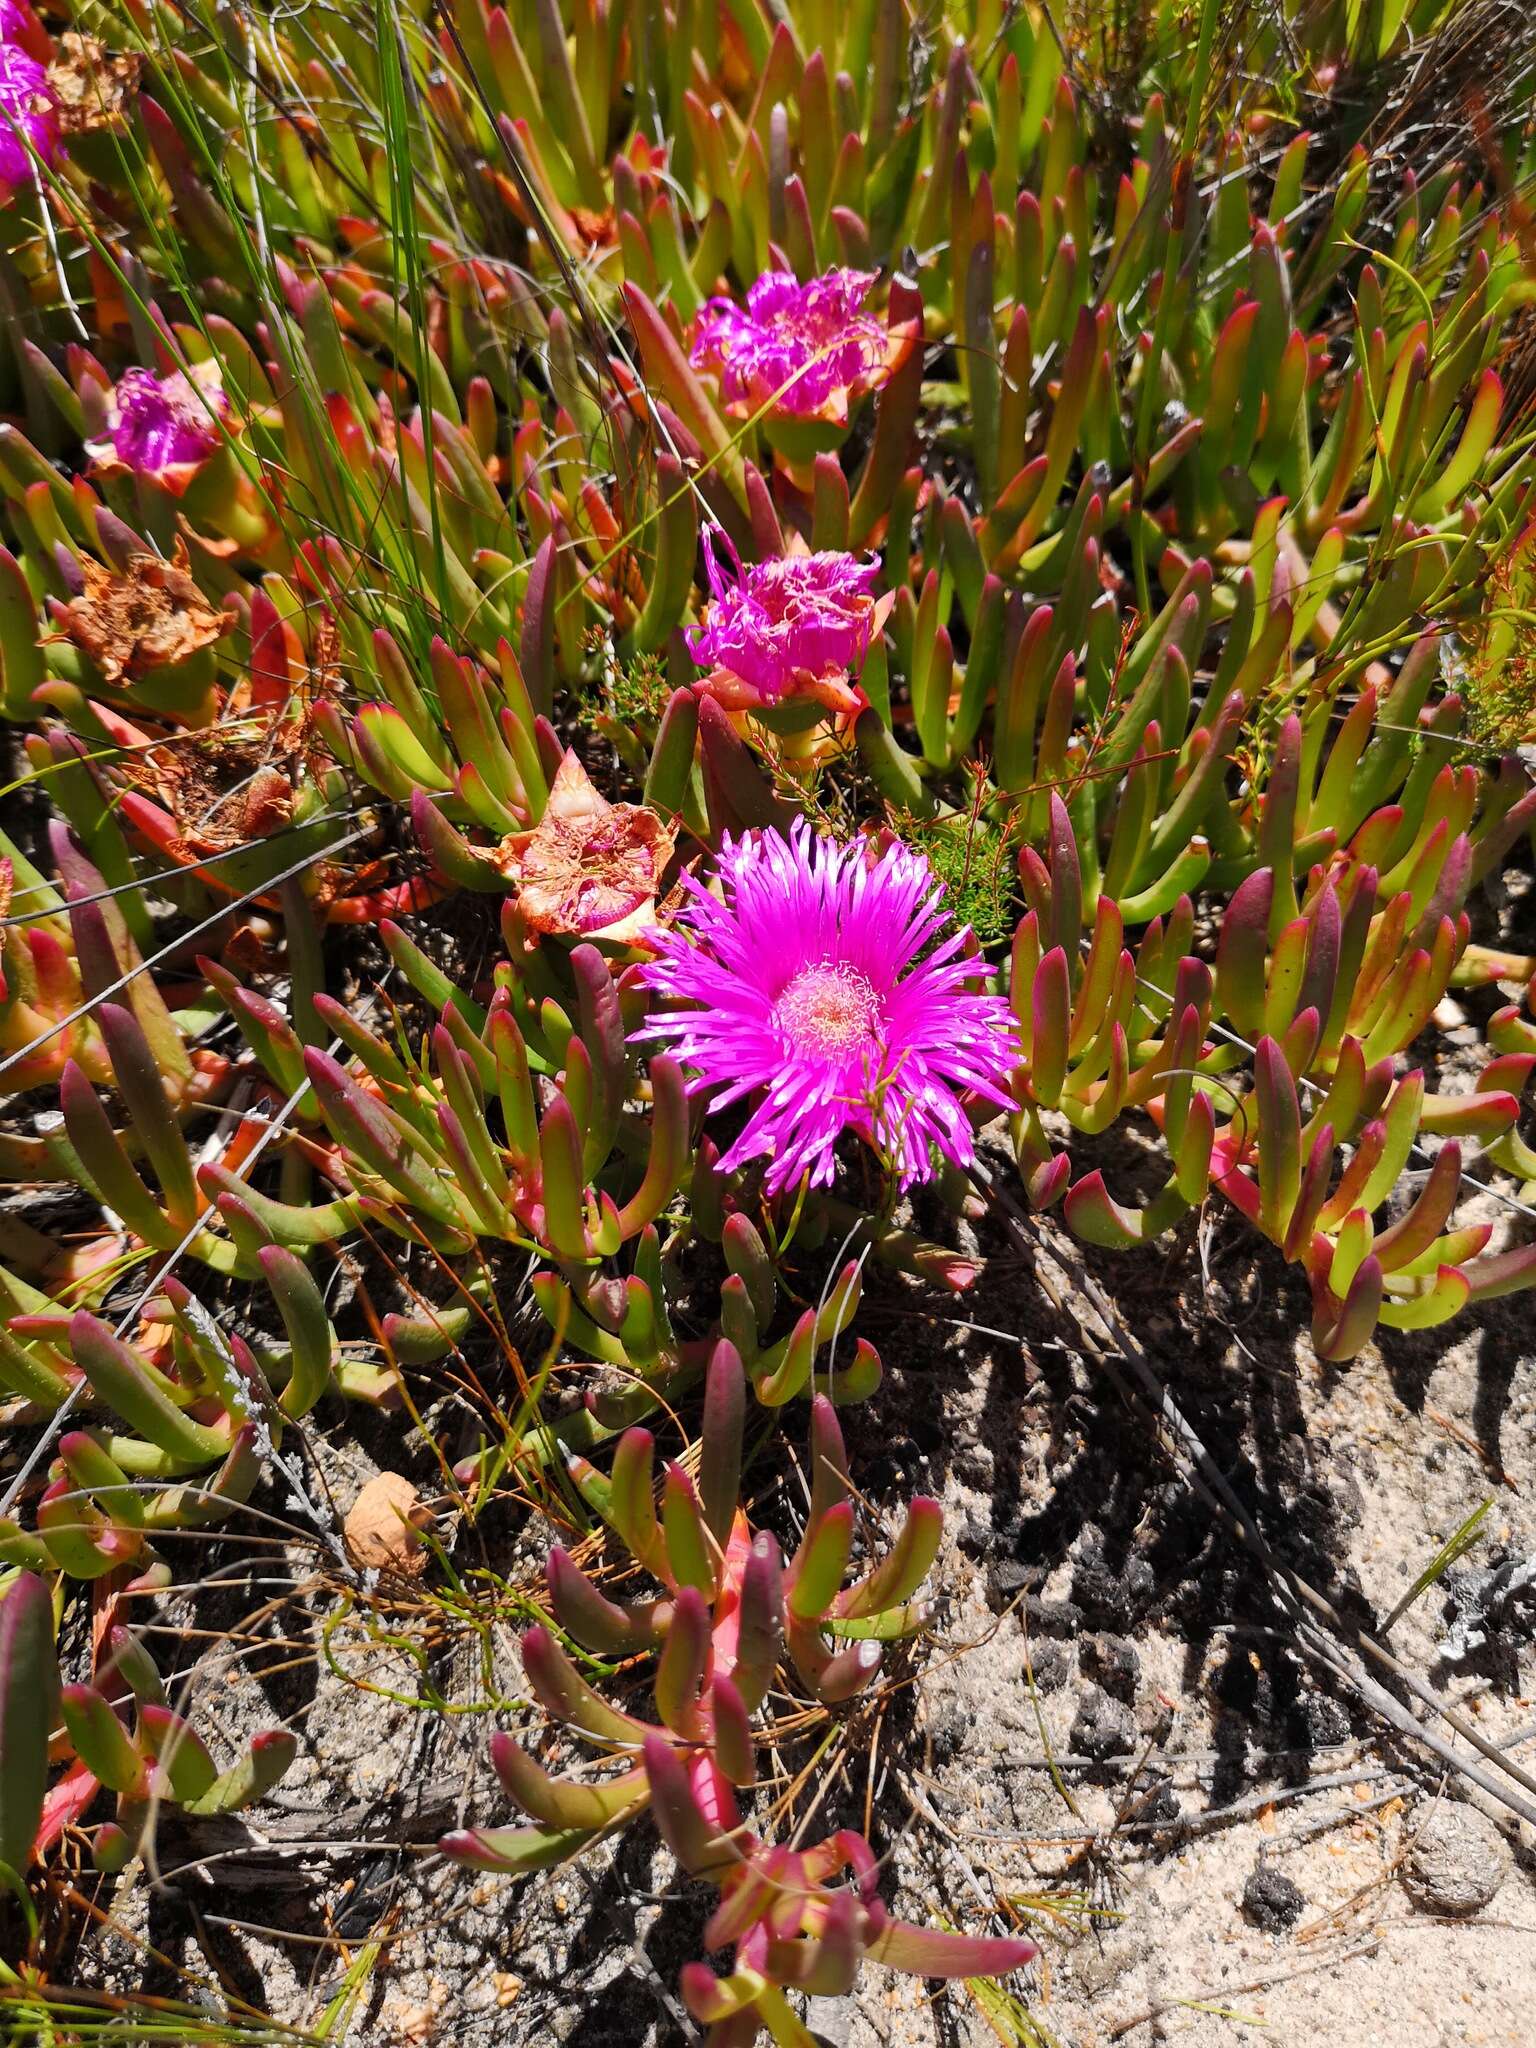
point(1156, 1800)
point(1321, 1722)
point(1112, 1662)
point(1058, 1618)
point(1111, 1595)
point(1050, 1663)
point(1103, 1727)
point(830, 2021)
point(947, 1730)
point(1007, 1578)
point(1271, 1901)
point(1457, 1860)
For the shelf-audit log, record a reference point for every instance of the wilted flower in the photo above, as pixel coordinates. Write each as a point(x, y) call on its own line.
point(164, 428)
point(151, 616)
point(207, 793)
point(27, 116)
point(597, 230)
point(589, 869)
point(804, 349)
point(796, 627)
point(833, 987)
point(92, 86)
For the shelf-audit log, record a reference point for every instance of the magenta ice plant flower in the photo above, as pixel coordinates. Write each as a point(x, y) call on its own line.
point(164, 428)
point(828, 985)
point(798, 626)
point(28, 116)
point(801, 349)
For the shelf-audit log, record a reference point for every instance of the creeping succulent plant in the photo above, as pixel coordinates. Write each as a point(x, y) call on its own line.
point(533, 539)
point(729, 1611)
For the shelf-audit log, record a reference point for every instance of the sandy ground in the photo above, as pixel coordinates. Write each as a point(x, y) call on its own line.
point(1171, 1746)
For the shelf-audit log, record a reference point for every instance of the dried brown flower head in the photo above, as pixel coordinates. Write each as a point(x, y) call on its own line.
point(589, 869)
point(92, 86)
point(219, 794)
point(152, 616)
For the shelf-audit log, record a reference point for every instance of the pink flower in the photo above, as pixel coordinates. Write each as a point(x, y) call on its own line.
point(164, 428)
point(798, 626)
point(832, 989)
point(801, 349)
point(28, 115)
